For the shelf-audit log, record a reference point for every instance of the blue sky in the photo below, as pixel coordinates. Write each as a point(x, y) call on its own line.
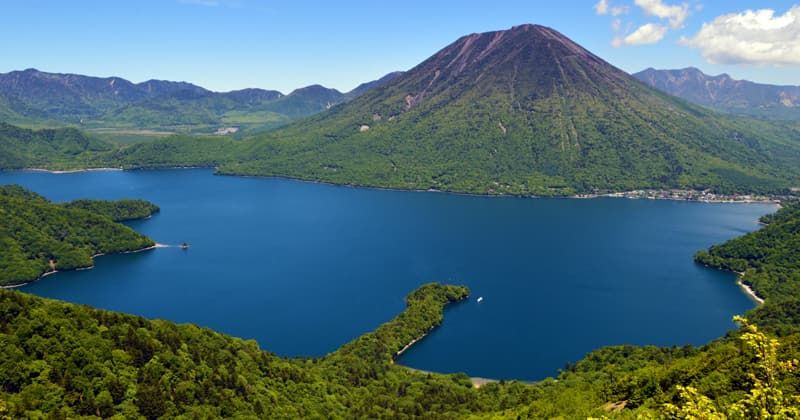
point(231, 44)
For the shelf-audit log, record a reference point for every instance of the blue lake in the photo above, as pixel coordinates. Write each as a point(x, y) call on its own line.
point(304, 268)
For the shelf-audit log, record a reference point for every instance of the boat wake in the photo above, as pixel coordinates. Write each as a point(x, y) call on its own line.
point(182, 246)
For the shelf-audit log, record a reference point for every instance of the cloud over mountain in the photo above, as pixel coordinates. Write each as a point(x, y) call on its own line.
point(750, 37)
point(646, 34)
point(649, 33)
point(676, 14)
point(603, 7)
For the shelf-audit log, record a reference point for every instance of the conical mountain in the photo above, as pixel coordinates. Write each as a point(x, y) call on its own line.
point(526, 111)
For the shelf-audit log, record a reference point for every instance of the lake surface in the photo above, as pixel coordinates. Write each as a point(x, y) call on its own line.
point(304, 268)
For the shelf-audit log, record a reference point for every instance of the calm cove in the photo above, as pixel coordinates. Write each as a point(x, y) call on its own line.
point(304, 267)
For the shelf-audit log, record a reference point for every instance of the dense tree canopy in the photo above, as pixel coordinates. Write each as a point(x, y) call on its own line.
point(38, 236)
point(769, 261)
point(119, 210)
point(65, 361)
point(50, 148)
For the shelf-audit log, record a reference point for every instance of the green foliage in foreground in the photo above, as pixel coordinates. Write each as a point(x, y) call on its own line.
point(65, 361)
point(68, 360)
point(118, 211)
point(766, 399)
point(37, 236)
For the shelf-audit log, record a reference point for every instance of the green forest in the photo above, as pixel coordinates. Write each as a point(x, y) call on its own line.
point(768, 260)
point(306, 154)
point(71, 361)
point(118, 210)
point(39, 236)
point(62, 148)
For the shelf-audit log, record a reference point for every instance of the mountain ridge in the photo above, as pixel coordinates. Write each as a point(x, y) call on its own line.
point(91, 102)
point(724, 93)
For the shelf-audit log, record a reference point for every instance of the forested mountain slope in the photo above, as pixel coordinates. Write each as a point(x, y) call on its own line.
point(49, 148)
point(31, 96)
point(525, 111)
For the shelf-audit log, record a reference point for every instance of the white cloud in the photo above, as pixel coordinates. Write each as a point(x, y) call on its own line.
point(646, 34)
point(620, 10)
point(676, 14)
point(616, 25)
point(752, 37)
point(601, 8)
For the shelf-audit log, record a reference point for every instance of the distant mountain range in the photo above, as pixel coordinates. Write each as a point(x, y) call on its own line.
point(522, 111)
point(93, 102)
point(726, 94)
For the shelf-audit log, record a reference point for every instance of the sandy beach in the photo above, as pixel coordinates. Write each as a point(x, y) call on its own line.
point(748, 290)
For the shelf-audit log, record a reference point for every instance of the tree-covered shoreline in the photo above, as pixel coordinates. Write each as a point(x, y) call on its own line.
point(40, 237)
point(277, 155)
point(64, 360)
point(767, 268)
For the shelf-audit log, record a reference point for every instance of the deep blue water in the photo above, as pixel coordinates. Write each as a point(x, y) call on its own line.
point(304, 268)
